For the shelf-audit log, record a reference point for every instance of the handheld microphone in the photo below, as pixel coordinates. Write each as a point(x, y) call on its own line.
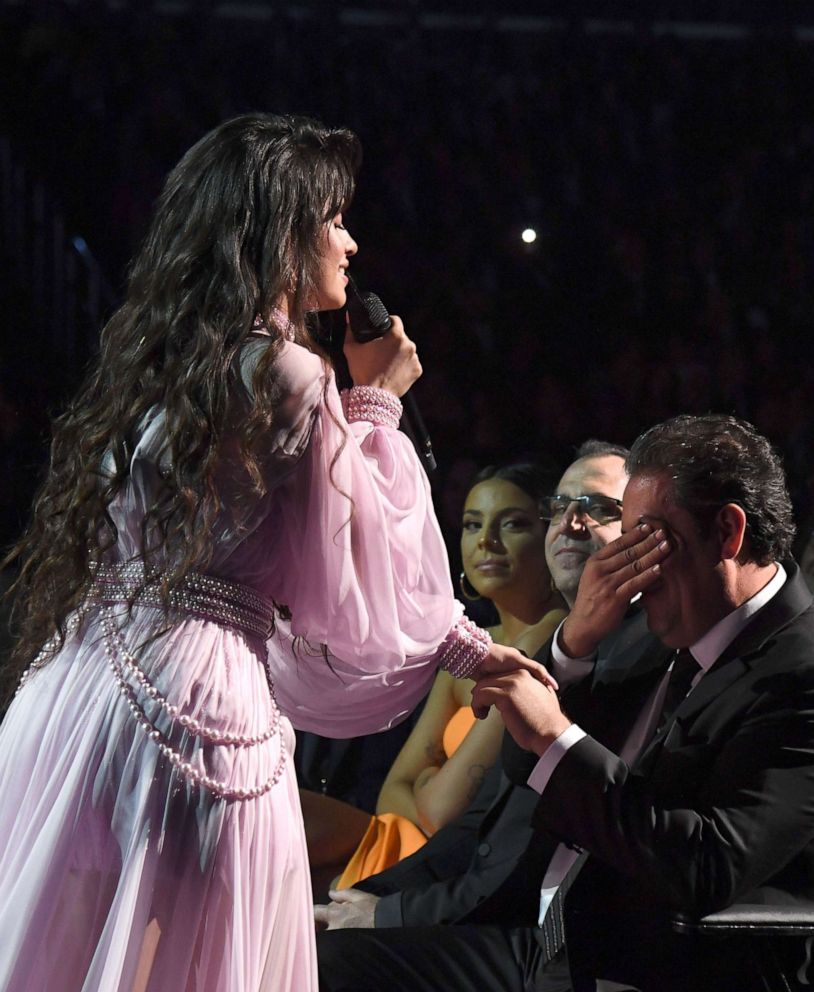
point(369, 320)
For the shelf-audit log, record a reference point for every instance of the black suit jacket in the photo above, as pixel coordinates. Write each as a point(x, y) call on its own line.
point(720, 804)
point(460, 872)
point(484, 867)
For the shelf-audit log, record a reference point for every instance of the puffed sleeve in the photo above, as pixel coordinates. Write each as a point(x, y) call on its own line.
point(362, 567)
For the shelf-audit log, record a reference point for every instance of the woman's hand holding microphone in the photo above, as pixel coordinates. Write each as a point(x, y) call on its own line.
point(389, 362)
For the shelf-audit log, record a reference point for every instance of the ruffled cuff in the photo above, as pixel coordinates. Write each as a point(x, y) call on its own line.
point(379, 407)
point(464, 648)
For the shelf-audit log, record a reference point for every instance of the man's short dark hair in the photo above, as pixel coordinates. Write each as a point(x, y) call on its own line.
point(592, 448)
point(716, 459)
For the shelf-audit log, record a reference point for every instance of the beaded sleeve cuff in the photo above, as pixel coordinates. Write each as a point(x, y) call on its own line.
point(378, 406)
point(464, 649)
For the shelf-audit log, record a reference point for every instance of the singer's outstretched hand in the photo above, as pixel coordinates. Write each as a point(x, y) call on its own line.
point(503, 660)
point(389, 362)
point(530, 708)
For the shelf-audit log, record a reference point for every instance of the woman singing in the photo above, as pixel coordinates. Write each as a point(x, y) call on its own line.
point(223, 546)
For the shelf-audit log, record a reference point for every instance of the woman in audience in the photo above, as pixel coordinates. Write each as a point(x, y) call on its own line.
point(442, 763)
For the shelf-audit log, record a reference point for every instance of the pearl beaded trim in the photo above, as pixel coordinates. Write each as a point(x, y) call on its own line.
point(378, 406)
point(126, 661)
point(464, 648)
point(51, 645)
point(279, 320)
point(200, 595)
point(118, 658)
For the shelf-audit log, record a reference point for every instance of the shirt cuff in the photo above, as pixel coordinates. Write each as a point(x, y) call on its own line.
point(568, 670)
point(544, 768)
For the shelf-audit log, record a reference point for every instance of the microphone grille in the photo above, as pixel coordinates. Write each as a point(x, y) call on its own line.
point(376, 312)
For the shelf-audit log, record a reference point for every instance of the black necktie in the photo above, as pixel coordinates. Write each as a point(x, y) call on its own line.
point(684, 670)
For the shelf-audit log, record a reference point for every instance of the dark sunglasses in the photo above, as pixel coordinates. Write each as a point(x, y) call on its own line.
point(601, 509)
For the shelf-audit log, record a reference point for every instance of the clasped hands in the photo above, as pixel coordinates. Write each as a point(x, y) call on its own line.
point(526, 698)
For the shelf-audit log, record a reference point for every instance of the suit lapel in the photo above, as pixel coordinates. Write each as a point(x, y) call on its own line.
point(748, 647)
point(626, 673)
point(497, 805)
point(792, 600)
point(629, 653)
point(740, 656)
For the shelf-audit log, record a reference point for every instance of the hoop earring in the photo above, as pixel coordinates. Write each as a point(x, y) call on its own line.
point(465, 586)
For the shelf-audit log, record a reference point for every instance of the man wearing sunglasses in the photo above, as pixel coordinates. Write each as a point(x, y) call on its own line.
point(585, 513)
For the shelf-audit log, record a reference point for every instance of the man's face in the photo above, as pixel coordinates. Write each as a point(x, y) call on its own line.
point(688, 599)
point(571, 541)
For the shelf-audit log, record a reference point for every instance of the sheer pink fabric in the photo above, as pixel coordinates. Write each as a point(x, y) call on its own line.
point(118, 875)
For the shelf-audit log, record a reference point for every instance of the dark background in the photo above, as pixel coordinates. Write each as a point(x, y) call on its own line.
point(663, 151)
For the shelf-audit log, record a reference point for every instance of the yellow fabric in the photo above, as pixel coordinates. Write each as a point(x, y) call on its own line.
point(389, 837)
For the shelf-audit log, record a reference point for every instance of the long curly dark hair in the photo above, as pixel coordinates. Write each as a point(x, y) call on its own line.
point(240, 224)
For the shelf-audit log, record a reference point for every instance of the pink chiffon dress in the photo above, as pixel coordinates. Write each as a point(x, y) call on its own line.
point(151, 838)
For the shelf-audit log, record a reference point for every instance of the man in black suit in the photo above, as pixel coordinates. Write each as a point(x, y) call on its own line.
point(719, 800)
point(481, 867)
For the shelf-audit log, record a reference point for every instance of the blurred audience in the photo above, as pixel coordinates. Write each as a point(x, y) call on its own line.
point(670, 182)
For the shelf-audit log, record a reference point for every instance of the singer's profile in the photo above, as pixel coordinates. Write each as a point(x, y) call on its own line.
point(213, 557)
